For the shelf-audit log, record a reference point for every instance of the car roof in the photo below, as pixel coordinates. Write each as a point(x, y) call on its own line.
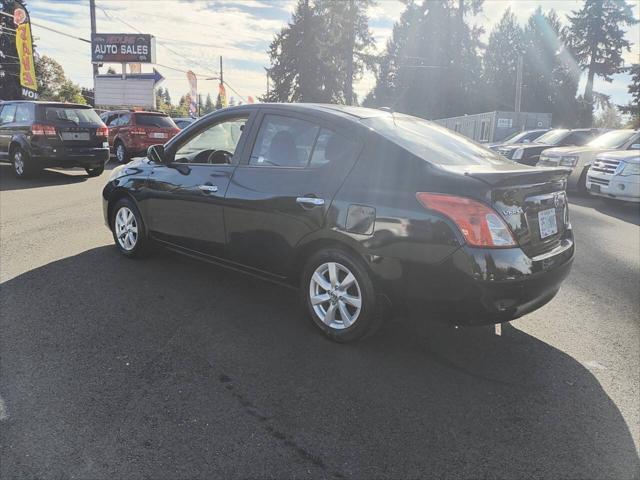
point(344, 111)
point(49, 103)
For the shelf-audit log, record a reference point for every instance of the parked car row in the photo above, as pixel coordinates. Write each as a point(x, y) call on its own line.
point(589, 153)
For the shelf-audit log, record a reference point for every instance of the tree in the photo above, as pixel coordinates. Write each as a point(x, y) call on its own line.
point(608, 118)
point(419, 74)
point(633, 108)
point(500, 62)
point(550, 76)
point(320, 53)
point(208, 104)
point(87, 94)
point(597, 39)
point(167, 96)
point(50, 75)
point(53, 84)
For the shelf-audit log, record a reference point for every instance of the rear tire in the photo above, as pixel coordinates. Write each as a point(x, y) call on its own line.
point(128, 229)
point(122, 156)
point(582, 183)
point(339, 295)
point(23, 164)
point(95, 172)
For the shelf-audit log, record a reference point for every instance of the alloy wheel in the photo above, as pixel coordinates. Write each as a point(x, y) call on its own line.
point(126, 228)
point(120, 153)
point(18, 162)
point(335, 295)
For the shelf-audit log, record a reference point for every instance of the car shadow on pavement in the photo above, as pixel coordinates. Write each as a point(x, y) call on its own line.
point(626, 211)
point(170, 368)
point(45, 178)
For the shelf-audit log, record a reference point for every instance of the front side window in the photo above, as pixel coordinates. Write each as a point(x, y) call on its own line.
point(284, 142)
point(578, 138)
point(216, 144)
point(7, 114)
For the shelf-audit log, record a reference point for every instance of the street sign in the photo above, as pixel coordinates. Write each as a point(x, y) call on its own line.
point(123, 48)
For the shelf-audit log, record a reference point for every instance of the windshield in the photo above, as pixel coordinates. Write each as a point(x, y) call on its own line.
point(71, 115)
point(153, 120)
point(432, 142)
point(515, 137)
point(552, 137)
point(614, 139)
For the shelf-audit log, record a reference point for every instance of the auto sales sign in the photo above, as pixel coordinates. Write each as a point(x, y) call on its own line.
point(123, 48)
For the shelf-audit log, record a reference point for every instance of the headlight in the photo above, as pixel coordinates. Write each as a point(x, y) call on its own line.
point(517, 155)
point(630, 169)
point(569, 161)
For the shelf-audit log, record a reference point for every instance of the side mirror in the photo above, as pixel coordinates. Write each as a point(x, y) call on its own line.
point(155, 153)
point(635, 146)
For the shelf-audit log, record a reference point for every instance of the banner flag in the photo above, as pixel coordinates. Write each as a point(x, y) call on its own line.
point(223, 95)
point(23, 76)
point(193, 94)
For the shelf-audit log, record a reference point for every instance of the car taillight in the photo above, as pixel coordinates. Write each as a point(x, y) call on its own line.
point(138, 131)
point(480, 225)
point(102, 132)
point(44, 130)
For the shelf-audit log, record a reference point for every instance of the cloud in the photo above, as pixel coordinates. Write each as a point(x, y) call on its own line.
point(192, 35)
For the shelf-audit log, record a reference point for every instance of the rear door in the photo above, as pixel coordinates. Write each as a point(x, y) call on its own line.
point(282, 191)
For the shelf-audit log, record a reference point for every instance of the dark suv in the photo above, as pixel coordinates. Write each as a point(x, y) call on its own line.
point(37, 135)
point(132, 132)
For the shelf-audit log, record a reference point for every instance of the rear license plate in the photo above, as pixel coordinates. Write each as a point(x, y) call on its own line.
point(547, 222)
point(157, 135)
point(80, 136)
point(595, 188)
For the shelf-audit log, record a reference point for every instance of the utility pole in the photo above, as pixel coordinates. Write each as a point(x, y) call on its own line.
point(221, 73)
point(519, 84)
point(92, 12)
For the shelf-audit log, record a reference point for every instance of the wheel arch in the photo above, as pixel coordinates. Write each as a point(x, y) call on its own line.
point(115, 196)
point(18, 141)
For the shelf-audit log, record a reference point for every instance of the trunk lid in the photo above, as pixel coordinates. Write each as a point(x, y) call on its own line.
point(532, 201)
point(79, 135)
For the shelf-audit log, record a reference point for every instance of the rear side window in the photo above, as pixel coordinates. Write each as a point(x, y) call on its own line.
point(24, 112)
point(7, 114)
point(332, 147)
point(284, 142)
point(151, 120)
point(70, 114)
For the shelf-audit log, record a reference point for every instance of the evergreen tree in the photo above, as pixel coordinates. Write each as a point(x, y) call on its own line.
point(500, 63)
point(167, 97)
point(608, 118)
point(633, 108)
point(550, 77)
point(208, 105)
point(597, 40)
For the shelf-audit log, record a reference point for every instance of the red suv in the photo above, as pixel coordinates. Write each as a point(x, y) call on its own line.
point(132, 132)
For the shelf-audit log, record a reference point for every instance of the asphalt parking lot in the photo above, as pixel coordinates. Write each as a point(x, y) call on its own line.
point(169, 368)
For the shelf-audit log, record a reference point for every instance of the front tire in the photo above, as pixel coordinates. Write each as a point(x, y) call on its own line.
point(23, 164)
point(127, 226)
point(95, 172)
point(340, 295)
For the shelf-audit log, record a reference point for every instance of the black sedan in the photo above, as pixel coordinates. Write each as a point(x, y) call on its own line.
point(529, 153)
point(366, 212)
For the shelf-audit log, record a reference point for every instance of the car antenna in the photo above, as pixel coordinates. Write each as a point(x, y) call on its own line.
point(390, 110)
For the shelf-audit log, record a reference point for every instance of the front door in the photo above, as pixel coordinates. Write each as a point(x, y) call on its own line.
point(282, 192)
point(185, 197)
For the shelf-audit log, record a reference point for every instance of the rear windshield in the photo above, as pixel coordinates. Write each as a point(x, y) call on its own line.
point(71, 115)
point(152, 120)
point(432, 142)
point(552, 137)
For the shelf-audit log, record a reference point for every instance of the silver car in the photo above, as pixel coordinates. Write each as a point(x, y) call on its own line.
point(579, 159)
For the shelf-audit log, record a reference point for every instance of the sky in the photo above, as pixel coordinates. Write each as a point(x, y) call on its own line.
point(191, 35)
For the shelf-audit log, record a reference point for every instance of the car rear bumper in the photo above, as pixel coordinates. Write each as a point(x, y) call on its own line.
point(69, 157)
point(477, 286)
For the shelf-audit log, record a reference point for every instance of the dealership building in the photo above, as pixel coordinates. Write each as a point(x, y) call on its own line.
point(495, 126)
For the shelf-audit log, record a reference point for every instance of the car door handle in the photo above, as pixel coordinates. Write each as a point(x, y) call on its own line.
point(310, 201)
point(208, 188)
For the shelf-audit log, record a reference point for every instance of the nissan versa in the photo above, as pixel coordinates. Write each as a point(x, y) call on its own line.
point(368, 212)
